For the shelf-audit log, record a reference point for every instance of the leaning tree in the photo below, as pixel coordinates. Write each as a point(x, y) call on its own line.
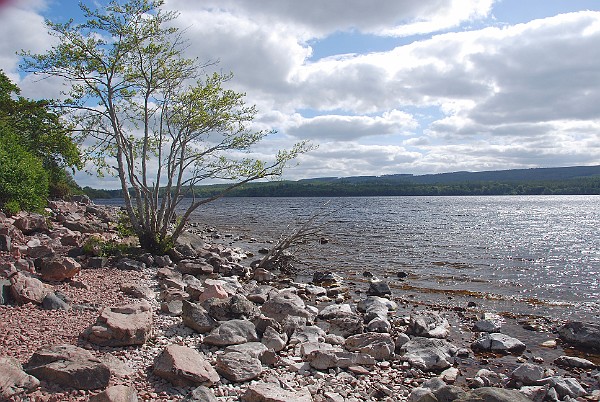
point(152, 116)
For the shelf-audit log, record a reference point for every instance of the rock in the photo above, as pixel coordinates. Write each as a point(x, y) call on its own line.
point(58, 268)
point(379, 346)
point(13, 380)
point(429, 354)
point(138, 291)
point(261, 294)
point(379, 324)
point(201, 394)
point(273, 339)
point(4, 291)
point(307, 333)
point(116, 393)
point(401, 339)
point(96, 262)
point(40, 251)
point(429, 325)
point(26, 289)
point(232, 332)
point(197, 318)
point(213, 291)
point(570, 361)
point(234, 307)
point(535, 393)
point(421, 394)
point(173, 308)
point(326, 359)
point(493, 395)
point(184, 366)
point(265, 392)
point(262, 275)
point(378, 288)
point(82, 198)
point(499, 343)
point(335, 310)
point(488, 378)
point(315, 290)
point(83, 227)
point(254, 349)
point(5, 243)
point(31, 223)
point(450, 375)
point(238, 367)
point(122, 326)
point(285, 304)
point(565, 386)
point(582, 334)
point(327, 279)
point(489, 323)
point(69, 365)
point(528, 374)
point(53, 302)
point(194, 267)
point(346, 325)
point(127, 264)
point(162, 261)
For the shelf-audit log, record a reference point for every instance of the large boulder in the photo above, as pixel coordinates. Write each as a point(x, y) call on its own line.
point(26, 289)
point(581, 334)
point(58, 268)
point(489, 394)
point(429, 354)
point(31, 223)
point(265, 392)
point(324, 359)
point(125, 325)
point(238, 367)
point(232, 332)
point(231, 308)
point(497, 342)
point(429, 324)
point(70, 366)
point(13, 380)
point(116, 393)
point(286, 304)
point(184, 366)
point(197, 318)
point(379, 346)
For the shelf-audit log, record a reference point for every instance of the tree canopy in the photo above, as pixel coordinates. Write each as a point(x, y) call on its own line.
point(151, 116)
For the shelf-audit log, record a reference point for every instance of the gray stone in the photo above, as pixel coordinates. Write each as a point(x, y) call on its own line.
point(238, 367)
point(429, 354)
point(379, 346)
point(285, 304)
point(571, 361)
point(231, 308)
point(138, 291)
point(232, 332)
point(184, 366)
point(197, 318)
point(489, 323)
point(254, 349)
point(429, 325)
point(273, 339)
point(528, 374)
point(493, 395)
point(116, 393)
point(173, 308)
point(335, 310)
point(488, 378)
point(261, 294)
point(127, 264)
point(379, 324)
point(201, 394)
point(13, 380)
point(401, 339)
point(162, 261)
point(346, 325)
point(125, 325)
point(70, 366)
point(379, 288)
point(194, 267)
point(307, 333)
point(326, 359)
point(4, 291)
point(53, 302)
point(5, 243)
point(565, 386)
point(265, 392)
point(581, 334)
point(96, 262)
point(499, 343)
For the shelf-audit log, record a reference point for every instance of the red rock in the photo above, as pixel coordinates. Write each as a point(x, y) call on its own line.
point(26, 289)
point(59, 268)
point(212, 291)
point(184, 366)
point(125, 325)
point(13, 380)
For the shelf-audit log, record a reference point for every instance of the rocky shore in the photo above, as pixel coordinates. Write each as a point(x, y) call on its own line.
point(77, 324)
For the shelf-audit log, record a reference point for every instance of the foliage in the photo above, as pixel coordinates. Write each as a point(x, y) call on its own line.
point(97, 247)
point(41, 132)
point(159, 124)
point(23, 180)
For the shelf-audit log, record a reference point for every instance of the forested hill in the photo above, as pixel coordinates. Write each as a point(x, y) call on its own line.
point(563, 180)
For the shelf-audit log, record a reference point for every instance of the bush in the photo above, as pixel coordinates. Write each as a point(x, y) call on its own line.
point(23, 179)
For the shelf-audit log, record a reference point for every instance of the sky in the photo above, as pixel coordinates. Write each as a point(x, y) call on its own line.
point(386, 86)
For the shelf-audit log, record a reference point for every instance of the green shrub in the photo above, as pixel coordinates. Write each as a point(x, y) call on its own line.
point(23, 179)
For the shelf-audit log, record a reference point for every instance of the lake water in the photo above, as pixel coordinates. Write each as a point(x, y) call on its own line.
point(523, 254)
